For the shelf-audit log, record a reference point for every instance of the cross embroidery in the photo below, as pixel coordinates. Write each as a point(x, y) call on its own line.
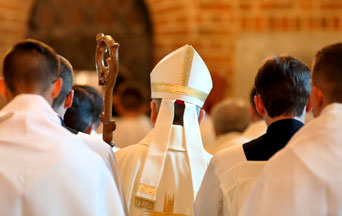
point(169, 201)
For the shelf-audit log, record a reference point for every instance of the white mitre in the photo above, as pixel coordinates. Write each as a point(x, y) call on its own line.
point(181, 75)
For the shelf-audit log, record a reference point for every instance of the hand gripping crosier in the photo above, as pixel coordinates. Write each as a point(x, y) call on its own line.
point(107, 70)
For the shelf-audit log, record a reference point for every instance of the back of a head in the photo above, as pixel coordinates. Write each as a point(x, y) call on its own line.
point(132, 96)
point(327, 72)
point(80, 115)
point(283, 84)
point(66, 73)
point(30, 67)
point(230, 115)
point(97, 98)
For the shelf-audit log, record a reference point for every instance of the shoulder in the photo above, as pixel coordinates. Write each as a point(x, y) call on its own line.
point(227, 159)
point(131, 153)
point(255, 141)
point(95, 144)
point(78, 154)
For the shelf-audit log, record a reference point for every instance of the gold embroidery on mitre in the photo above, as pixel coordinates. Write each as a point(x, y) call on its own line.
point(187, 64)
point(177, 89)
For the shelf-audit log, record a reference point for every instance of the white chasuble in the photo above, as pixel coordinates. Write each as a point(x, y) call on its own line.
point(227, 182)
point(305, 178)
point(175, 193)
point(46, 170)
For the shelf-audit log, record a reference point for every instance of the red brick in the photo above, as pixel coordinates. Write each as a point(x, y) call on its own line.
point(172, 9)
point(215, 6)
point(245, 6)
point(331, 6)
point(275, 6)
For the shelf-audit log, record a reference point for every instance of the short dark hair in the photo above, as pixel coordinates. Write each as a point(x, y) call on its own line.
point(67, 76)
point(30, 66)
point(283, 84)
point(132, 96)
point(80, 115)
point(327, 72)
point(98, 101)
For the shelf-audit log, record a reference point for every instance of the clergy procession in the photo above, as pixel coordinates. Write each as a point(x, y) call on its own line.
point(61, 154)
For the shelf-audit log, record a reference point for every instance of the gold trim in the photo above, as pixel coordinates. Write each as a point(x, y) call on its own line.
point(147, 189)
point(189, 55)
point(143, 203)
point(177, 89)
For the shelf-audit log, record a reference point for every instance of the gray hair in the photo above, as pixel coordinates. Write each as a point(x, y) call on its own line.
point(230, 115)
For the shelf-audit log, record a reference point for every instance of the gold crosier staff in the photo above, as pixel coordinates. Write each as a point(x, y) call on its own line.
point(107, 70)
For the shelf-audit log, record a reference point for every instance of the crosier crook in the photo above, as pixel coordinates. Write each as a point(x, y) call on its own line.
point(107, 70)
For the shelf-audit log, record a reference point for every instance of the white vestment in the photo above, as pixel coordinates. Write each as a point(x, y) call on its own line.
point(256, 129)
point(207, 131)
point(130, 131)
point(175, 190)
point(46, 170)
point(226, 141)
point(107, 154)
point(305, 177)
point(227, 182)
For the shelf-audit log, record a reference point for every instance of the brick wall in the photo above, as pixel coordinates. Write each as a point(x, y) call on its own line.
point(13, 17)
point(212, 27)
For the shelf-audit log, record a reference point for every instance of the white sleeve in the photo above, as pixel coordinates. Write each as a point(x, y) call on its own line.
point(209, 200)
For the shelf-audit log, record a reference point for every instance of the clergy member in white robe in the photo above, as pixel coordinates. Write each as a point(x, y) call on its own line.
point(130, 130)
point(162, 173)
point(232, 172)
point(231, 117)
point(64, 101)
point(45, 169)
point(207, 131)
point(132, 125)
point(305, 177)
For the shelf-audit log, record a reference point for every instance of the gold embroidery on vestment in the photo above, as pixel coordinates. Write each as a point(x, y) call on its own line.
point(147, 189)
point(169, 202)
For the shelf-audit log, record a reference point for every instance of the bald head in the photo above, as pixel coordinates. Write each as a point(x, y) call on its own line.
point(327, 72)
point(230, 115)
point(30, 67)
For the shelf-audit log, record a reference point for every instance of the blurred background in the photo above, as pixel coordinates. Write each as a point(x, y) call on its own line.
point(232, 36)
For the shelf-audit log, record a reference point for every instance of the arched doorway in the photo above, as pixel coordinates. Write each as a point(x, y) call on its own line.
point(71, 26)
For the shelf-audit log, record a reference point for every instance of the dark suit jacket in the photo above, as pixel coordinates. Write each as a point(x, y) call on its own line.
point(276, 137)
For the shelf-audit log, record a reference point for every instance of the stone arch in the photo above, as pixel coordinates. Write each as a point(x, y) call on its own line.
point(76, 23)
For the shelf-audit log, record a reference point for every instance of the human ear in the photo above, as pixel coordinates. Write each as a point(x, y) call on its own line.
point(69, 99)
point(153, 112)
point(258, 105)
point(2, 87)
point(201, 115)
point(308, 107)
point(56, 89)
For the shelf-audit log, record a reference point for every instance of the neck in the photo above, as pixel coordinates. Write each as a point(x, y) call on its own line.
point(60, 111)
point(270, 120)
